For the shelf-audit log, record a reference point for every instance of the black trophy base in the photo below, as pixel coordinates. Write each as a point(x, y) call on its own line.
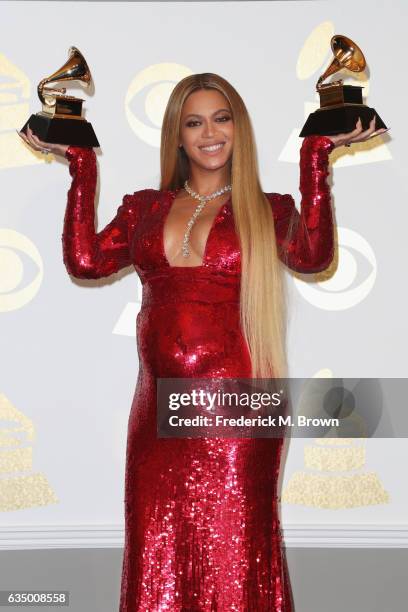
point(76, 132)
point(331, 121)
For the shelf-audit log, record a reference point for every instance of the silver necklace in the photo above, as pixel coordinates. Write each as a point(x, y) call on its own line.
point(203, 201)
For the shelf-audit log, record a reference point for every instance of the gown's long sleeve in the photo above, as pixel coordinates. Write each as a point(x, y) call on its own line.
point(305, 239)
point(88, 254)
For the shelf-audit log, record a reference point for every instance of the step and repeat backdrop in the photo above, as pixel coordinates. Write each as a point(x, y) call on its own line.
point(69, 359)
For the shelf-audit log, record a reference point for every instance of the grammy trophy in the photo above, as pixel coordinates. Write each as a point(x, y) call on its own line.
point(60, 120)
point(341, 105)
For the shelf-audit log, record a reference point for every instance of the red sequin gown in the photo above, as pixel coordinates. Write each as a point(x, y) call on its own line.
point(202, 531)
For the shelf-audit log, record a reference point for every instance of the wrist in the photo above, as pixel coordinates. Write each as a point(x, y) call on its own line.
point(74, 152)
point(317, 142)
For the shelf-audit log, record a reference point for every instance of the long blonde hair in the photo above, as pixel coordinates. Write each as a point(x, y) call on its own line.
point(263, 291)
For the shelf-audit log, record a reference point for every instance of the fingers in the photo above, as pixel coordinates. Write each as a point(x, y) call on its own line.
point(378, 132)
point(363, 134)
point(28, 138)
point(23, 137)
point(39, 143)
point(356, 132)
point(360, 135)
point(33, 141)
point(346, 138)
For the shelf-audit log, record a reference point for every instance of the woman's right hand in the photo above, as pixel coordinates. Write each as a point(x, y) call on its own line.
point(39, 145)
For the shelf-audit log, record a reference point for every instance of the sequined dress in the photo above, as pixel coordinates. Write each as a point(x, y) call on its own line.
point(202, 531)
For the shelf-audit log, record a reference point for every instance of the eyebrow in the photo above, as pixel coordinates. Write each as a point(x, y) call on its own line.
point(218, 111)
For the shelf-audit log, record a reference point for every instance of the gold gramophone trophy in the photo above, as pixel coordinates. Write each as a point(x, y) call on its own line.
point(341, 105)
point(60, 120)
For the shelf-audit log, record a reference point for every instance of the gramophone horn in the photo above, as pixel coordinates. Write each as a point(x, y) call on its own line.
point(74, 69)
point(346, 55)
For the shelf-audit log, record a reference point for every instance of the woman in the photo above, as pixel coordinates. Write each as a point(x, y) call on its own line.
point(202, 531)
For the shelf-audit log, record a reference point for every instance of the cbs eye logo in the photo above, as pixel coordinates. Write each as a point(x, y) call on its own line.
point(147, 97)
point(12, 296)
point(342, 291)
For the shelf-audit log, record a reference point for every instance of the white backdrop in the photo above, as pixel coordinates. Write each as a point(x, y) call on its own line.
point(69, 360)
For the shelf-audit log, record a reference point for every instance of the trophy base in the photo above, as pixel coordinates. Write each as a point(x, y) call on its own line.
point(338, 120)
point(76, 132)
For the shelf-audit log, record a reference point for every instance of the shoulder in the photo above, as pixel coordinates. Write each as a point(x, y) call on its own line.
point(139, 199)
point(141, 196)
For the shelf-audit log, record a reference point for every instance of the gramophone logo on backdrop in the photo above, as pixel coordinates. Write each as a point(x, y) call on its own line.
point(125, 325)
point(14, 107)
point(334, 474)
point(314, 56)
point(20, 487)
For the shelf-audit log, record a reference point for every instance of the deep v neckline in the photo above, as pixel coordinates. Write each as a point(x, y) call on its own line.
point(169, 204)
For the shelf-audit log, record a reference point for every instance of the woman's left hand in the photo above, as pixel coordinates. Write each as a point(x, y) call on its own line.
point(356, 135)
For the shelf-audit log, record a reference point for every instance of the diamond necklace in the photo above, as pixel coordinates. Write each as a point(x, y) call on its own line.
point(203, 201)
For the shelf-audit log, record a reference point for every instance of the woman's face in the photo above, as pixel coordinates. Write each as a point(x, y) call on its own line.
point(206, 120)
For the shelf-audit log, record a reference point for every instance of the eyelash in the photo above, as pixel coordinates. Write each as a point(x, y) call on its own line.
point(224, 117)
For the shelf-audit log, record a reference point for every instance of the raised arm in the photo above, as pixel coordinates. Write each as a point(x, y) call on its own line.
point(88, 254)
point(305, 240)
